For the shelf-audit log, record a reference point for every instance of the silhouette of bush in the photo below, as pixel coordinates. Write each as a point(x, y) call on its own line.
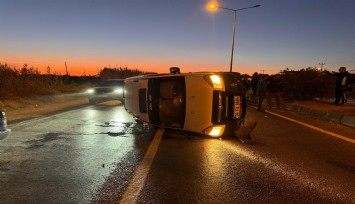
point(28, 82)
point(118, 73)
point(306, 84)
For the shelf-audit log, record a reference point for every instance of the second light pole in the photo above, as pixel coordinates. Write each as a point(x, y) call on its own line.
point(213, 6)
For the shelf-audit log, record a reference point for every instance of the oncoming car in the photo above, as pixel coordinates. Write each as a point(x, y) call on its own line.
point(107, 90)
point(210, 103)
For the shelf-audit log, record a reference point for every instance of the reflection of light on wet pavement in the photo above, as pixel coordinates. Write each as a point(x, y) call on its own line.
point(76, 149)
point(214, 172)
point(110, 103)
point(321, 186)
point(214, 160)
point(121, 116)
point(114, 122)
point(90, 114)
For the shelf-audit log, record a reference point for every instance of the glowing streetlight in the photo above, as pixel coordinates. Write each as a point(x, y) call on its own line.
point(214, 6)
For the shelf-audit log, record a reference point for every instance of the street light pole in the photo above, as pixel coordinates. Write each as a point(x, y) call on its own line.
point(214, 6)
point(234, 22)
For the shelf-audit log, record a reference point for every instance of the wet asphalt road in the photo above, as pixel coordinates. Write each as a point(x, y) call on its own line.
point(89, 155)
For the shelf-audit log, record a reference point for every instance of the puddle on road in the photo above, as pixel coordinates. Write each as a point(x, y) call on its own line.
point(126, 129)
point(106, 124)
point(115, 124)
point(51, 136)
point(113, 134)
point(34, 144)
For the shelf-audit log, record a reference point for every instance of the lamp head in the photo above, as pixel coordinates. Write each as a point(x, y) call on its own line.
point(212, 6)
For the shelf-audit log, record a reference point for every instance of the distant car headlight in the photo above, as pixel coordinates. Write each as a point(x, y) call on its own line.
point(214, 80)
point(214, 131)
point(90, 91)
point(118, 91)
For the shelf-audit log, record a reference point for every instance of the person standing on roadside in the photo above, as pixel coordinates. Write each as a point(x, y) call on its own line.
point(273, 86)
point(254, 82)
point(246, 83)
point(261, 91)
point(341, 84)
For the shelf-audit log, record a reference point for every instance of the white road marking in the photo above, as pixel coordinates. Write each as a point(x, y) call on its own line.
point(313, 127)
point(137, 182)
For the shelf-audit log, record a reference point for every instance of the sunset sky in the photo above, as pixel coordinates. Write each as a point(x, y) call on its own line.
point(153, 35)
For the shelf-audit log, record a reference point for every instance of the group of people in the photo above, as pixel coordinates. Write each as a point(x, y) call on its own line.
point(265, 86)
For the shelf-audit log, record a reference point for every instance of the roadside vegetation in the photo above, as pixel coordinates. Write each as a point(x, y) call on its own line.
point(310, 83)
point(307, 84)
point(28, 83)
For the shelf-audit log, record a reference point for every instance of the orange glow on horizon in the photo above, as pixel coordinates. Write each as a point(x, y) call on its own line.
point(90, 68)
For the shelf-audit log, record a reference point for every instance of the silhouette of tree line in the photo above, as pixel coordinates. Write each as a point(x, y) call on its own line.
point(27, 82)
point(309, 83)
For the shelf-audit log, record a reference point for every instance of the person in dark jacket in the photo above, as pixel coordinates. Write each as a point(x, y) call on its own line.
point(246, 83)
point(254, 82)
point(273, 87)
point(341, 84)
point(261, 91)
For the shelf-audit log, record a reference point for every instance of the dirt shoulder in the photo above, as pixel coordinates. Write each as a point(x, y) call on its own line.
point(32, 108)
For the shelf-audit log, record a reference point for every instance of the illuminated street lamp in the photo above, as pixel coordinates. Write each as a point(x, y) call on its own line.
point(214, 6)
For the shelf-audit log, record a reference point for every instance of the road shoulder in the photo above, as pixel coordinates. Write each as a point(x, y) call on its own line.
point(33, 110)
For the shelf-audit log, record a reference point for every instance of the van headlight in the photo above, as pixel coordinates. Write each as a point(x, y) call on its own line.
point(214, 131)
point(214, 80)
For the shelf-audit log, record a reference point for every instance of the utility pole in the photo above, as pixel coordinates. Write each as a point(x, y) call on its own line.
point(66, 68)
point(263, 70)
point(321, 66)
